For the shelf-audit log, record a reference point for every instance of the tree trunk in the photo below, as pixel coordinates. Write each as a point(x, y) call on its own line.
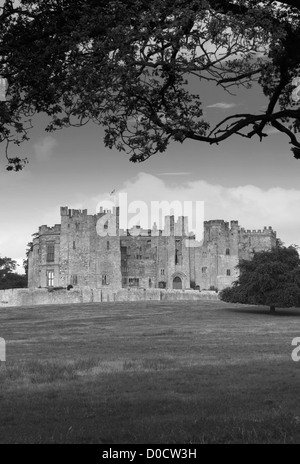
point(272, 309)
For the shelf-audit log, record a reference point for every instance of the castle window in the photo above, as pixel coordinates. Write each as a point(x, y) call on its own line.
point(228, 272)
point(106, 225)
point(134, 281)
point(204, 269)
point(104, 279)
point(176, 256)
point(50, 252)
point(227, 251)
point(74, 245)
point(50, 278)
point(74, 279)
point(178, 252)
point(107, 245)
point(162, 272)
point(77, 226)
point(150, 283)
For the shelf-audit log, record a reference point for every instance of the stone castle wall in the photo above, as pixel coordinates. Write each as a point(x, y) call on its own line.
point(91, 251)
point(41, 296)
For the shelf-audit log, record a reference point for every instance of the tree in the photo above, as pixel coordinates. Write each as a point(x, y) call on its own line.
point(128, 66)
point(28, 250)
point(7, 265)
point(271, 278)
point(9, 278)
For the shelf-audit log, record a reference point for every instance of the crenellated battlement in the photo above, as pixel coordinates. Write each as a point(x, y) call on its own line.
point(115, 212)
point(171, 228)
point(65, 211)
point(43, 230)
point(219, 232)
point(264, 231)
point(216, 222)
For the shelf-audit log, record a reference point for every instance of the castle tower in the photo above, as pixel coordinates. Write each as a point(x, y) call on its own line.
point(219, 254)
point(255, 240)
point(76, 247)
point(176, 254)
point(108, 250)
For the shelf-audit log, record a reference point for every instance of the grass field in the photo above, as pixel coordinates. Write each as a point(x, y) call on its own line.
point(149, 372)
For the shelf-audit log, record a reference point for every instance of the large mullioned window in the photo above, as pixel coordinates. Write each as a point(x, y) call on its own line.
point(50, 278)
point(50, 252)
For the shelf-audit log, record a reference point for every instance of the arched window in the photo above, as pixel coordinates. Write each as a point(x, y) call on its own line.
point(50, 278)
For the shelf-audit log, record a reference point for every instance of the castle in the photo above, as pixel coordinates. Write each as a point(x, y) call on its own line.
point(92, 251)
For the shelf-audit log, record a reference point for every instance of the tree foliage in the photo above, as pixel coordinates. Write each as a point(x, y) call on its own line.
point(8, 277)
point(29, 248)
point(129, 66)
point(271, 278)
point(7, 265)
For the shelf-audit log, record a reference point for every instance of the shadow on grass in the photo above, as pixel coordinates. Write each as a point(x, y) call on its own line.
point(282, 312)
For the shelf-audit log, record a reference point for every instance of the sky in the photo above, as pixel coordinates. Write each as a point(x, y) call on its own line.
point(240, 179)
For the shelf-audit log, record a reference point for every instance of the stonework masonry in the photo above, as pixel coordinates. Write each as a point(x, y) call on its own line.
point(92, 251)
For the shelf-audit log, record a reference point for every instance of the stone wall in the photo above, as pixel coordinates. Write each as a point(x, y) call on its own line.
point(41, 296)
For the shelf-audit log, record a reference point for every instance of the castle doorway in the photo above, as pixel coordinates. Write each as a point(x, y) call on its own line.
point(177, 283)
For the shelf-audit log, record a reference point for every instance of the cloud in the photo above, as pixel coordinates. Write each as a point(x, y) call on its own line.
point(252, 206)
point(222, 105)
point(44, 149)
point(173, 173)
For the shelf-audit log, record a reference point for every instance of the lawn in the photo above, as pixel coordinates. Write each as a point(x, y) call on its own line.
point(149, 372)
